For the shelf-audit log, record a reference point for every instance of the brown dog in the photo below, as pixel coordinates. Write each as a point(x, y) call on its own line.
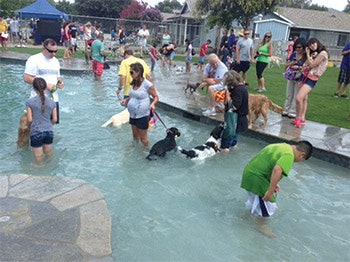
point(23, 131)
point(260, 105)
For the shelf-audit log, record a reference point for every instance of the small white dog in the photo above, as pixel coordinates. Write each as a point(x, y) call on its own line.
point(118, 119)
point(209, 149)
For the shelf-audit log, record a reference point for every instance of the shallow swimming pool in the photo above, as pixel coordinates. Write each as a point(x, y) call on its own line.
point(175, 209)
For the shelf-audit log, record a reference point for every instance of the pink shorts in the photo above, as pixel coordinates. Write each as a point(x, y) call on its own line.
point(3, 38)
point(97, 67)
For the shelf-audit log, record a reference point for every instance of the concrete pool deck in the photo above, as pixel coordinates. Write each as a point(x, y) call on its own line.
point(65, 219)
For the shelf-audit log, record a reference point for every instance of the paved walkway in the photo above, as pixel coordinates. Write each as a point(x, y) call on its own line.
point(52, 219)
point(64, 219)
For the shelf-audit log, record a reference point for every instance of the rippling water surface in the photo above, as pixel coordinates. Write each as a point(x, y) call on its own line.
point(175, 209)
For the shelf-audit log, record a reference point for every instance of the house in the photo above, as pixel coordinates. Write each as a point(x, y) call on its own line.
point(183, 25)
point(331, 28)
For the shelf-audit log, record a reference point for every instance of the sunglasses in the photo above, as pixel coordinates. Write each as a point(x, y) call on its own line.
point(267, 36)
point(51, 51)
point(246, 33)
point(299, 47)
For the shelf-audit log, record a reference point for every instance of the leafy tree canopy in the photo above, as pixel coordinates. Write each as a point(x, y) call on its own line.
point(223, 12)
point(8, 8)
point(167, 6)
point(140, 11)
point(133, 11)
point(66, 7)
point(101, 8)
point(347, 8)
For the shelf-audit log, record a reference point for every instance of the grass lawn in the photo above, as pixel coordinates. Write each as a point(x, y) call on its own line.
point(322, 106)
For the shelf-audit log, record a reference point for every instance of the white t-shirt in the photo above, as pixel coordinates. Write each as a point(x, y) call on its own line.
point(40, 66)
point(143, 35)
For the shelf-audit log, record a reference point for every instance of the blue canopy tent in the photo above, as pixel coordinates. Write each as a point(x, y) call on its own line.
point(42, 9)
point(49, 23)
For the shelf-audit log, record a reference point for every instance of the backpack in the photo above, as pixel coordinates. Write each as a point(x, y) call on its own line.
point(193, 52)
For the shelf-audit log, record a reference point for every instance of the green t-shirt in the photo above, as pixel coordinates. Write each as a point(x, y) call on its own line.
point(257, 174)
point(96, 47)
point(264, 50)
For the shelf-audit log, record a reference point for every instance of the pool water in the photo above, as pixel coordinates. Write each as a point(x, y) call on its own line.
point(175, 209)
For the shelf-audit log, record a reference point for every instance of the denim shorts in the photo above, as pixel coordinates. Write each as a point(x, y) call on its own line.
point(307, 81)
point(42, 138)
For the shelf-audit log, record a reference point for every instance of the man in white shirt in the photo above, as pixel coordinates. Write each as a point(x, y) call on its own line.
point(143, 35)
point(46, 66)
point(213, 75)
point(14, 27)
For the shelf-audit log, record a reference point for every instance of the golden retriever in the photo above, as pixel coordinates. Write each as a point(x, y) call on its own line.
point(260, 105)
point(23, 131)
point(118, 119)
point(275, 60)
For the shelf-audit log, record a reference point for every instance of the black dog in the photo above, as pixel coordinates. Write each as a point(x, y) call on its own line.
point(191, 87)
point(160, 148)
point(210, 148)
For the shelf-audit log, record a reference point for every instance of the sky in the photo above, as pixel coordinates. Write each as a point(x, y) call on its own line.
point(336, 4)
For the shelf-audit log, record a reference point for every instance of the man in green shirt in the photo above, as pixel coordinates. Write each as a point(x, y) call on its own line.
point(98, 56)
point(263, 172)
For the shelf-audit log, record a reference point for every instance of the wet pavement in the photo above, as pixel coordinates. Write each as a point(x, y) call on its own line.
point(64, 219)
point(52, 219)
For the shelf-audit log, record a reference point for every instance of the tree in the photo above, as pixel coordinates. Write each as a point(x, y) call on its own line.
point(8, 8)
point(137, 11)
point(101, 8)
point(347, 8)
point(295, 3)
point(66, 7)
point(167, 6)
point(151, 14)
point(133, 11)
point(223, 12)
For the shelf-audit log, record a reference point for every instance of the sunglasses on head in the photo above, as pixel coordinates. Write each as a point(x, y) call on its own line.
point(51, 51)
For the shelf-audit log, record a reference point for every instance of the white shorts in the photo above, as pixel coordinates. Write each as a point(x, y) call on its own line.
point(73, 41)
point(143, 42)
point(218, 87)
point(260, 207)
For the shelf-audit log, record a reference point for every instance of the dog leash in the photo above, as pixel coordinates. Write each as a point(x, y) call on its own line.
point(154, 112)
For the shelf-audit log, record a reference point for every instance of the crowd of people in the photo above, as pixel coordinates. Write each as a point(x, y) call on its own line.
point(305, 62)
point(261, 175)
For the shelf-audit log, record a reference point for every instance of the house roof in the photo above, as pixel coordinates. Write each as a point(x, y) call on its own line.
point(188, 6)
point(186, 11)
point(313, 19)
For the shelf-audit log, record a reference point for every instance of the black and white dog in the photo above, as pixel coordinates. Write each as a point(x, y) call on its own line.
point(160, 148)
point(209, 149)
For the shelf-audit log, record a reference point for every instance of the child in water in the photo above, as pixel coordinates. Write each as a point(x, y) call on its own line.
point(42, 114)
